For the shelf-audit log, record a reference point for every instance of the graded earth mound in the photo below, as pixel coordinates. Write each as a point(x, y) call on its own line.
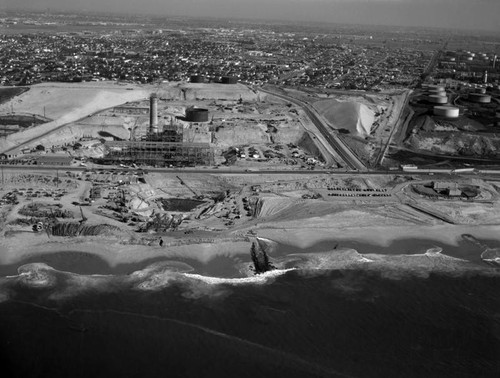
point(355, 117)
point(214, 91)
point(65, 103)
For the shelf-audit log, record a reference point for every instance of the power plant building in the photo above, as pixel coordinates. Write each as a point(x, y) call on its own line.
point(160, 154)
point(162, 148)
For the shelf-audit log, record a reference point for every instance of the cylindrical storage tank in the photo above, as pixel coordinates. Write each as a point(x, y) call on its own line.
point(451, 59)
point(437, 99)
point(481, 98)
point(440, 91)
point(197, 79)
point(436, 87)
point(229, 80)
point(196, 115)
point(446, 111)
point(469, 58)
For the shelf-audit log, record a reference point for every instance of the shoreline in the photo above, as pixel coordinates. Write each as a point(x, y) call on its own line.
point(113, 256)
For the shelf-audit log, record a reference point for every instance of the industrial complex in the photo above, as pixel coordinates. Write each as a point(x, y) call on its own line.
point(223, 197)
point(189, 143)
point(163, 145)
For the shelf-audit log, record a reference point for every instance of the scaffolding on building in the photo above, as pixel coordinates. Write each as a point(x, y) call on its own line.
point(159, 153)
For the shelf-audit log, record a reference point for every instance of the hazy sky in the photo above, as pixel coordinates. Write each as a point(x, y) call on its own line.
point(467, 14)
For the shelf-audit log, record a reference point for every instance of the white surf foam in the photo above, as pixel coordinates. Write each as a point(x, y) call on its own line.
point(36, 275)
point(257, 279)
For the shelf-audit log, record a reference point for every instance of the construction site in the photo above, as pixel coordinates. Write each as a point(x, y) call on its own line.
point(161, 145)
point(111, 171)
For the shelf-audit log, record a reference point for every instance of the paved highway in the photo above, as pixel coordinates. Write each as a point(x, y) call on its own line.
point(52, 168)
point(4, 168)
point(399, 123)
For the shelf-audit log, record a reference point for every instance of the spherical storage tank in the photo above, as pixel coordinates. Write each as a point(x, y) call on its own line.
point(197, 115)
point(437, 99)
point(479, 97)
point(446, 111)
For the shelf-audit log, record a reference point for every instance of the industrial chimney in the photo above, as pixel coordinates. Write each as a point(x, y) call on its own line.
point(153, 114)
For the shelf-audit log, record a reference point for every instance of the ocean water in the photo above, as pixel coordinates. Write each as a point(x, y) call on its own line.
point(421, 315)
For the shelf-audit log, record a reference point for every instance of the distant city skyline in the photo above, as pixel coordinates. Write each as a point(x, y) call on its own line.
point(458, 14)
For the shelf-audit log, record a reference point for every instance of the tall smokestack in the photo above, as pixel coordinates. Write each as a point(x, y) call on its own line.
point(153, 113)
point(494, 61)
point(485, 77)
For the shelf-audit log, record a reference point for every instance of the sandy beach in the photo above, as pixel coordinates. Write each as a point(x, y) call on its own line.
point(114, 252)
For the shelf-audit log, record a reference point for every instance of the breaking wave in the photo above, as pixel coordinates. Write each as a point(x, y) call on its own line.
point(160, 275)
point(57, 284)
point(257, 279)
point(491, 256)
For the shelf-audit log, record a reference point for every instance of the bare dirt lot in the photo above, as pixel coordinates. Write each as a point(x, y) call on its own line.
point(164, 213)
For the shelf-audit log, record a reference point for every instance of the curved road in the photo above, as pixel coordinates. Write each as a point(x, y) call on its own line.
point(349, 158)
